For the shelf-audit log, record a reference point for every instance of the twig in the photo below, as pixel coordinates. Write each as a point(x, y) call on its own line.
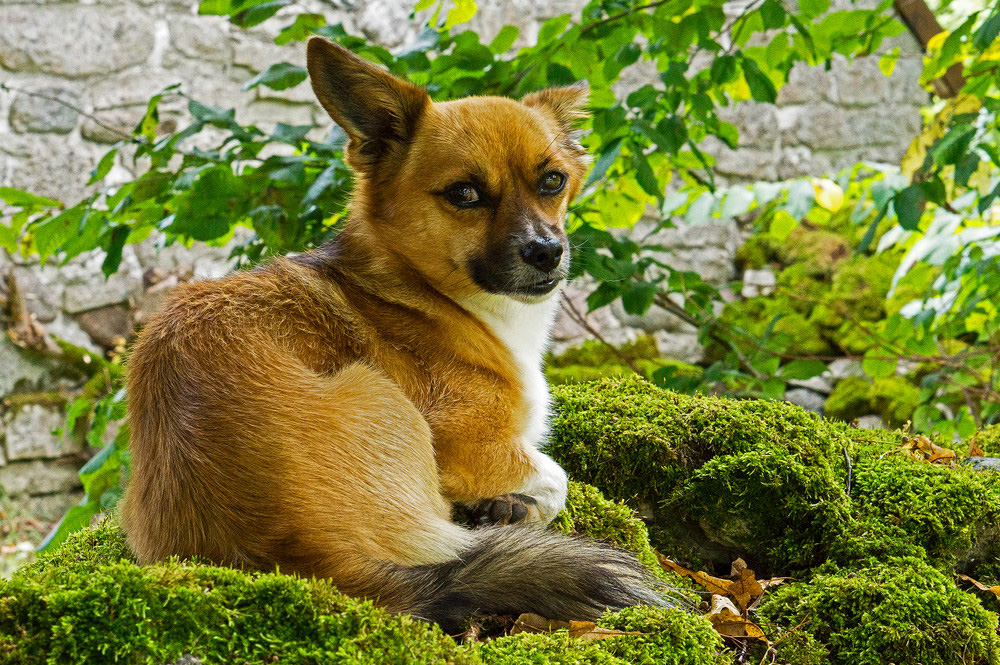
point(581, 321)
point(72, 107)
point(622, 15)
point(847, 459)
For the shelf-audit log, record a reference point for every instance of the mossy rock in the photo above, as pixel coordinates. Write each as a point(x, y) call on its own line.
point(778, 316)
point(594, 360)
point(87, 602)
point(721, 478)
point(898, 610)
point(818, 251)
point(893, 398)
point(988, 439)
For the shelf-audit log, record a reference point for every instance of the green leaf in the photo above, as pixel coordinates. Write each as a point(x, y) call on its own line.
point(700, 209)
point(644, 175)
point(887, 63)
point(604, 162)
point(782, 224)
point(216, 201)
point(22, 199)
point(116, 243)
point(723, 69)
point(505, 39)
point(553, 28)
point(280, 76)
point(300, 30)
point(988, 32)
point(460, 13)
point(761, 87)
point(813, 8)
point(103, 166)
point(258, 13)
point(638, 297)
point(909, 206)
point(291, 134)
point(424, 4)
point(802, 369)
point(879, 364)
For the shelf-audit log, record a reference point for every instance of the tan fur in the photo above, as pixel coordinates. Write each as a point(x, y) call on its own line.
point(322, 414)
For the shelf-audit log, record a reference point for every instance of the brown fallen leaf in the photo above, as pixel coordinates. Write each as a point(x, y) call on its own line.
point(715, 585)
point(995, 590)
point(921, 448)
point(745, 587)
point(584, 630)
point(975, 450)
point(728, 621)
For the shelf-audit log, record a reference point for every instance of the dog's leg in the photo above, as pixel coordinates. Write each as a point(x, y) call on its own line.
point(541, 497)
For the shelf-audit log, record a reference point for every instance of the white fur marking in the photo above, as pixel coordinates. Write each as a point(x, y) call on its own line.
point(524, 329)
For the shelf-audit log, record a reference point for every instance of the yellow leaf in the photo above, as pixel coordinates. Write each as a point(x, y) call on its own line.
point(460, 13)
point(934, 43)
point(829, 195)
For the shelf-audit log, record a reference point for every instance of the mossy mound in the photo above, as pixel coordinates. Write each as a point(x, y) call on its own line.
point(88, 602)
point(722, 478)
point(898, 610)
point(893, 398)
point(595, 360)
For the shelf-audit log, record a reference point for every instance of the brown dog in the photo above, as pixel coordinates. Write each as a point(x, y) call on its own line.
point(325, 414)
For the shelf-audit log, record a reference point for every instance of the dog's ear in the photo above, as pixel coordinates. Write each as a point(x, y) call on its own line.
point(376, 109)
point(566, 105)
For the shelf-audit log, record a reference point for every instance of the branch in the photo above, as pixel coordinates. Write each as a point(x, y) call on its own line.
point(581, 321)
point(622, 15)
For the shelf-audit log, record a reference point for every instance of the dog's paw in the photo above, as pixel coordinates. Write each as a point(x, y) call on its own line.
point(503, 509)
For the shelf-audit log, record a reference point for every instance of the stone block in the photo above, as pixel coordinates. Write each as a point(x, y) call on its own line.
point(202, 37)
point(40, 478)
point(74, 40)
point(85, 286)
point(109, 326)
point(757, 124)
point(806, 85)
point(45, 109)
point(30, 433)
point(828, 127)
point(859, 83)
point(41, 302)
point(21, 370)
point(52, 165)
point(807, 399)
point(112, 125)
point(679, 346)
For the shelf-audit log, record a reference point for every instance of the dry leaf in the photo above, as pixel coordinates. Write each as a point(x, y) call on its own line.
point(584, 630)
point(711, 584)
point(745, 588)
point(921, 448)
point(975, 450)
point(995, 590)
point(728, 622)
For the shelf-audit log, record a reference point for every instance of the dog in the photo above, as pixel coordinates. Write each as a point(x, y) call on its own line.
point(327, 414)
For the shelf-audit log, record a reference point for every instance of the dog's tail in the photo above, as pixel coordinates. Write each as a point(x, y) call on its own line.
point(513, 569)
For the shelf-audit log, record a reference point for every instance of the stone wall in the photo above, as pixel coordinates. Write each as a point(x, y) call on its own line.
point(78, 76)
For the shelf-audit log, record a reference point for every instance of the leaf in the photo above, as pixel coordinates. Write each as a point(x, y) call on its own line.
point(878, 365)
point(728, 622)
point(583, 630)
point(103, 166)
point(638, 297)
point(802, 369)
point(887, 63)
point(995, 590)
point(761, 87)
point(711, 584)
point(829, 195)
point(280, 76)
point(505, 39)
point(258, 13)
point(988, 32)
point(604, 162)
point(782, 224)
point(300, 30)
point(291, 134)
point(460, 13)
point(909, 206)
point(423, 4)
point(22, 199)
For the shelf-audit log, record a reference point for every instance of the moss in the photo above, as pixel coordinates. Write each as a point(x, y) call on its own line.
point(102, 608)
point(857, 291)
point(900, 609)
point(988, 439)
point(594, 360)
point(774, 315)
point(760, 250)
point(723, 478)
point(818, 251)
point(593, 353)
point(807, 289)
point(850, 399)
point(893, 398)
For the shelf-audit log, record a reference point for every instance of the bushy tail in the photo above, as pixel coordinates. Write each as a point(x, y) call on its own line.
point(515, 569)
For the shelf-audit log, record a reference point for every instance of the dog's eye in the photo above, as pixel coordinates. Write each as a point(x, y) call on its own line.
point(462, 195)
point(552, 182)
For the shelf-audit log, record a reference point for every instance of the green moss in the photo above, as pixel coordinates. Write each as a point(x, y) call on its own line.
point(723, 478)
point(807, 289)
point(900, 610)
point(92, 608)
point(988, 439)
point(760, 250)
point(893, 398)
point(857, 291)
point(594, 360)
point(777, 316)
point(594, 353)
point(818, 251)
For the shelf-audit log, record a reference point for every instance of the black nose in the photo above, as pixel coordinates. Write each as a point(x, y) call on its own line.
point(542, 253)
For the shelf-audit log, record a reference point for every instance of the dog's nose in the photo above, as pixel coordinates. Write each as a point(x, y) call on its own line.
point(542, 253)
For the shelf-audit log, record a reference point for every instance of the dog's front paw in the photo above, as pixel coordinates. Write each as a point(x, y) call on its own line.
point(503, 509)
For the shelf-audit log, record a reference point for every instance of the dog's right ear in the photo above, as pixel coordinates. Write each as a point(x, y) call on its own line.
point(377, 110)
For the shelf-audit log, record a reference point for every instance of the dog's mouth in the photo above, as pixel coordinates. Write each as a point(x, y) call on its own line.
point(539, 288)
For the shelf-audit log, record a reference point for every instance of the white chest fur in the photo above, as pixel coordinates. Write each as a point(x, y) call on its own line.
point(524, 330)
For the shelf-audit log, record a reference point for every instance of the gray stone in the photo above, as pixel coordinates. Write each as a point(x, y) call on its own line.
point(859, 83)
point(45, 110)
point(386, 22)
point(109, 326)
point(656, 318)
point(568, 331)
point(758, 283)
point(841, 368)
point(112, 125)
point(807, 399)
point(817, 384)
point(66, 329)
point(21, 370)
point(679, 346)
point(30, 433)
point(806, 85)
point(86, 287)
point(757, 124)
point(74, 40)
point(37, 297)
point(202, 37)
point(54, 166)
point(39, 478)
point(871, 422)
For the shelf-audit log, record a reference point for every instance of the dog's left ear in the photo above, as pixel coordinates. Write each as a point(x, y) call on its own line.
point(566, 105)
point(377, 110)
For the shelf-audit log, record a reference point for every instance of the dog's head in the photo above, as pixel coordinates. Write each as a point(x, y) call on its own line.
point(471, 193)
